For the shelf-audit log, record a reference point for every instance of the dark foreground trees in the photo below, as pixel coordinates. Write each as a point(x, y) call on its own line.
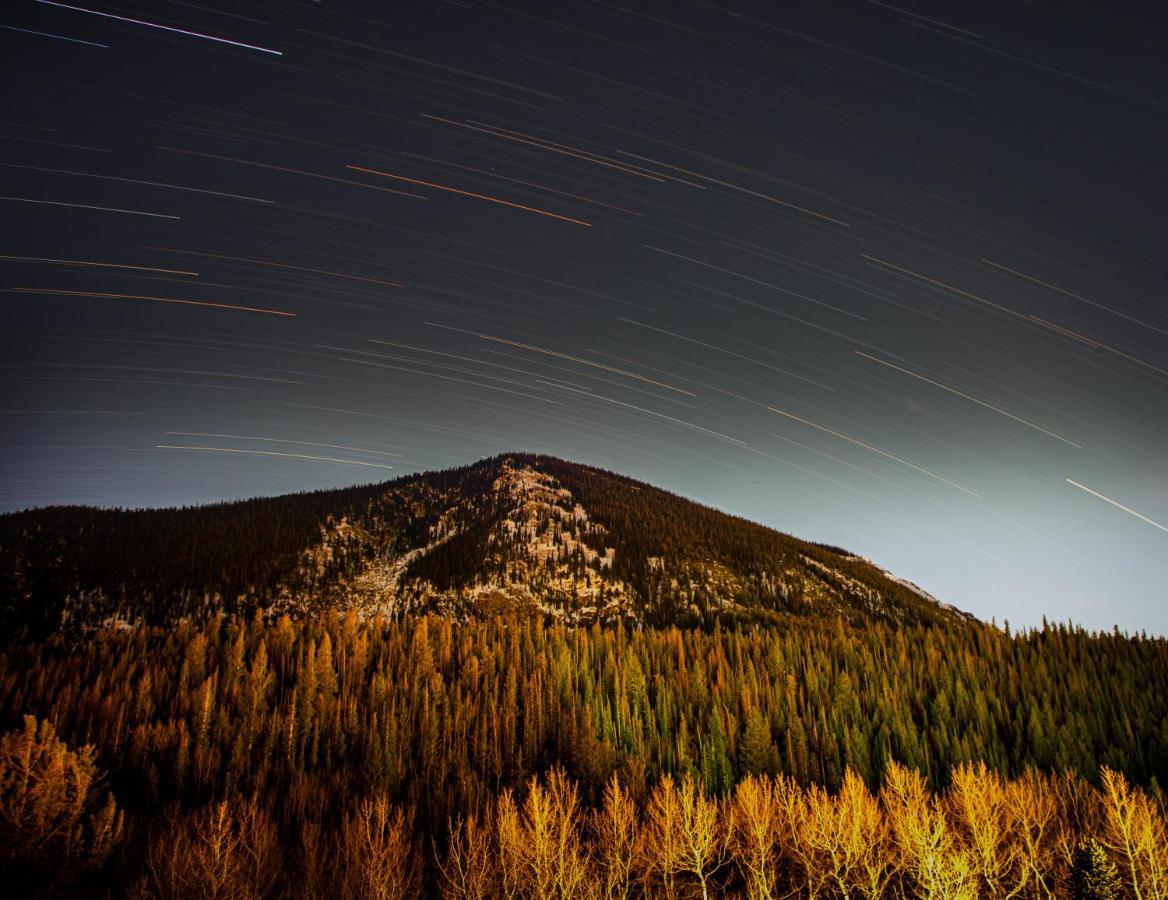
point(336, 757)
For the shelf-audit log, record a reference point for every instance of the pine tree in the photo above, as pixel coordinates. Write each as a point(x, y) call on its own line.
point(756, 751)
point(717, 773)
point(1093, 875)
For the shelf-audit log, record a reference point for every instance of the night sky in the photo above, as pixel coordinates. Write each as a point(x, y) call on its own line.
point(889, 276)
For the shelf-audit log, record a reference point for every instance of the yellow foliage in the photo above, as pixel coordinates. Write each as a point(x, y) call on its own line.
point(1136, 836)
point(615, 827)
point(930, 862)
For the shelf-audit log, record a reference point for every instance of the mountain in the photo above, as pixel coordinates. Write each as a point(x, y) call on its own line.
point(512, 534)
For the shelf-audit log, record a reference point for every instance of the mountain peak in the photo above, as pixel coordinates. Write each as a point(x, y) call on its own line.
point(515, 534)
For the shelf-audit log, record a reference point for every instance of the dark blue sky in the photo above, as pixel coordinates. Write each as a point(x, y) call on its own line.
point(886, 276)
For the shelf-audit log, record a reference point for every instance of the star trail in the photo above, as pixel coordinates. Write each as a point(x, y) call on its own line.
point(889, 277)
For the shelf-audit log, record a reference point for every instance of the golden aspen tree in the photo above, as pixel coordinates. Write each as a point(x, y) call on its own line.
point(180, 862)
point(259, 845)
point(225, 851)
point(1034, 826)
point(555, 854)
point(511, 864)
point(664, 851)
point(930, 863)
point(1081, 812)
point(976, 804)
point(791, 800)
point(378, 858)
point(615, 828)
point(757, 830)
point(466, 872)
point(1135, 836)
point(815, 846)
point(858, 839)
point(703, 835)
point(840, 844)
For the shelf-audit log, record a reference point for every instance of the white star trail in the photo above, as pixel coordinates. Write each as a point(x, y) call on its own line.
point(1118, 505)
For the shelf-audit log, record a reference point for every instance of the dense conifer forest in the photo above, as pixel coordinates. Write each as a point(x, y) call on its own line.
point(338, 756)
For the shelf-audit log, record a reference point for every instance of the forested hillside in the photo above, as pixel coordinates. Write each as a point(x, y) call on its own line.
point(515, 533)
point(527, 678)
point(320, 731)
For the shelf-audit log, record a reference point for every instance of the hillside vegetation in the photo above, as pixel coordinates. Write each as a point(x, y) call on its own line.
point(312, 747)
point(516, 533)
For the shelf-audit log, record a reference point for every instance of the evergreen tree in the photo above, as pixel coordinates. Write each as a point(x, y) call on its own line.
point(1093, 875)
point(756, 751)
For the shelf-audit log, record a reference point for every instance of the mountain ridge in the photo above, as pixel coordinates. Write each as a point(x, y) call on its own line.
point(515, 533)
